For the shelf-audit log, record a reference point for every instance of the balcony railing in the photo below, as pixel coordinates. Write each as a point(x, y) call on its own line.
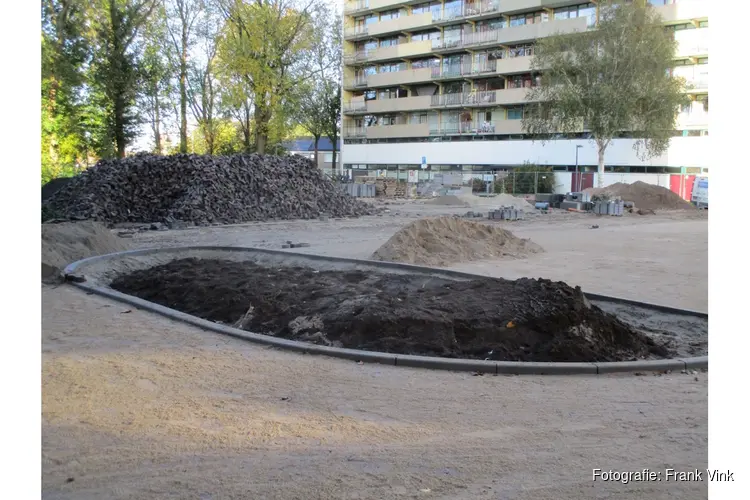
point(354, 107)
point(479, 98)
point(355, 31)
point(466, 11)
point(354, 132)
point(476, 127)
point(359, 56)
point(356, 6)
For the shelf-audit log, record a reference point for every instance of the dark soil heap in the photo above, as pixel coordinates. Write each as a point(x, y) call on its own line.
point(644, 196)
point(522, 320)
point(202, 190)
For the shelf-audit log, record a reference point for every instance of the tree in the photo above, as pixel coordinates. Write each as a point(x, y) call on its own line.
point(65, 51)
point(117, 24)
point(154, 98)
point(613, 79)
point(181, 16)
point(203, 88)
point(320, 100)
point(264, 46)
point(333, 117)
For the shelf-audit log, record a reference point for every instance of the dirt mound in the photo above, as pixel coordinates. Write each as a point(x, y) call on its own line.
point(448, 200)
point(644, 196)
point(521, 320)
point(202, 190)
point(65, 243)
point(448, 240)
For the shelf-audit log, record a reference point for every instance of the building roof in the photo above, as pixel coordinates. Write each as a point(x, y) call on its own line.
point(307, 144)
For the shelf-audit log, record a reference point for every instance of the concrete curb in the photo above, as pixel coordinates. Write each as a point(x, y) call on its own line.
point(496, 367)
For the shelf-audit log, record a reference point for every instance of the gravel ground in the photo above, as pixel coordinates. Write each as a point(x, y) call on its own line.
point(137, 406)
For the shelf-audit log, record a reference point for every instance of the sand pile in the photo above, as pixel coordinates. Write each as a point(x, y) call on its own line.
point(448, 200)
point(448, 240)
point(65, 243)
point(645, 196)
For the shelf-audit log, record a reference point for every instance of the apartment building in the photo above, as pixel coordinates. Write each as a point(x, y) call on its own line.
point(443, 83)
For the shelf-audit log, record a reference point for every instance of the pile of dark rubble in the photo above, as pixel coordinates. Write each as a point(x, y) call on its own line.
point(202, 190)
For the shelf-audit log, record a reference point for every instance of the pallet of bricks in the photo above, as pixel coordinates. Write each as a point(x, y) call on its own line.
point(390, 188)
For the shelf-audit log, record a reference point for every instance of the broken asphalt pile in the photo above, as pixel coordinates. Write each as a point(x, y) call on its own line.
point(202, 190)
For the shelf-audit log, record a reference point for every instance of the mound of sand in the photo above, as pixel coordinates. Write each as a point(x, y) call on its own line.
point(448, 240)
point(448, 200)
point(65, 243)
point(645, 196)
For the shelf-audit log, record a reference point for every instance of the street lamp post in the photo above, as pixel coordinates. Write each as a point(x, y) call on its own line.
point(580, 175)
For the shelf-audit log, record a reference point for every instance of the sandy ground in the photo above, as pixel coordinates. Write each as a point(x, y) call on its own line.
point(137, 406)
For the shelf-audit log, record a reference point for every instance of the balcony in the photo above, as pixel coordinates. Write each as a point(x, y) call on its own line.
point(361, 6)
point(356, 6)
point(467, 68)
point(397, 78)
point(356, 32)
point(477, 127)
point(697, 86)
point(514, 35)
point(393, 131)
point(355, 107)
point(530, 32)
point(354, 132)
point(403, 50)
point(692, 43)
point(502, 97)
point(401, 24)
point(403, 104)
point(684, 10)
point(694, 120)
point(358, 82)
point(358, 57)
point(511, 65)
point(471, 12)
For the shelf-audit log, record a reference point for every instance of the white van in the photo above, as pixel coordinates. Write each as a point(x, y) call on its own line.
point(700, 192)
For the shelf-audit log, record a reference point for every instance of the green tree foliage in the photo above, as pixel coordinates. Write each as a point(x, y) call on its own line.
point(612, 79)
point(114, 69)
point(264, 48)
point(181, 19)
point(64, 54)
point(319, 106)
point(154, 99)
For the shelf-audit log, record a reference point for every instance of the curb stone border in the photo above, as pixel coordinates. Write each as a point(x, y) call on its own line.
point(75, 269)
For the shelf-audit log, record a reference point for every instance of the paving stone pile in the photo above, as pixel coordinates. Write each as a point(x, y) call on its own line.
point(202, 190)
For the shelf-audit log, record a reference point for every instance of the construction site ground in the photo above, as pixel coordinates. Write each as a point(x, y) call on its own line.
point(138, 406)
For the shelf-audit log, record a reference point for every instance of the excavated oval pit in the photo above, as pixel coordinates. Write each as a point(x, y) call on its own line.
point(400, 314)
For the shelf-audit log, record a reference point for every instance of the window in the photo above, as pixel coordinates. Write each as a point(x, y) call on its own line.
point(391, 14)
point(703, 60)
point(426, 63)
point(515, 113)
point(519, 20)
point(703, 24)
point(372, 18)
point(389, 42)
point(425, 35)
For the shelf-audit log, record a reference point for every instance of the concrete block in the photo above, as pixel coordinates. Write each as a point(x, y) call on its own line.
point(651, 365)
point(473, 365)
point(532, 368)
